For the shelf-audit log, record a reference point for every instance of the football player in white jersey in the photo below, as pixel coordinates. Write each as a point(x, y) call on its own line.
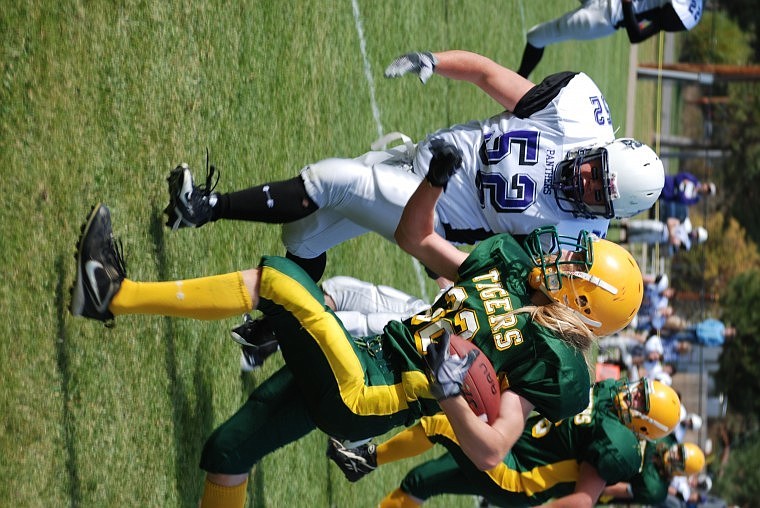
point(549, 159)
point(600, 18)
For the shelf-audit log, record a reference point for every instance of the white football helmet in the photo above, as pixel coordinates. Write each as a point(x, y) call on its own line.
point(632, 174)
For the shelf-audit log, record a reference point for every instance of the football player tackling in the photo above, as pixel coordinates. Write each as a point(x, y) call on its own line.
point(550, 159)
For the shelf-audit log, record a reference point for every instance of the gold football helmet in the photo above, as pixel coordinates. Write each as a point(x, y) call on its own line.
point(684, 459)
point(651, 409)
point(597, 278)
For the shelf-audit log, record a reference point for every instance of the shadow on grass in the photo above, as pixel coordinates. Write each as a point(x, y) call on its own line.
point(256, 478)
point(192, 424)
point(63, 362)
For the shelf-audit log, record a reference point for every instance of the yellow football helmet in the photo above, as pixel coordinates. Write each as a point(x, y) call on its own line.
point(651, 409)
point(597, 278)
point(684, 459)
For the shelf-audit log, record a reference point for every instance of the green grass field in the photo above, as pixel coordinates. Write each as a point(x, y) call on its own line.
point(98, 101)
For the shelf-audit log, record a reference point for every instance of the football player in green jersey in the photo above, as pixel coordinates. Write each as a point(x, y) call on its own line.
point(532, 310)
point(663, 459)
point(569, 461)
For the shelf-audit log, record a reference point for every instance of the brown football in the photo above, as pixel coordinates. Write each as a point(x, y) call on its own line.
point(481, 387)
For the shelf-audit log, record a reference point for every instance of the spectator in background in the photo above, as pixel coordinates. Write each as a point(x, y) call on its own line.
point(673, 349)
point(674, 233)
point(681, 191)
point(709, 333)
point(655, 306)
point(685, 188)
point(654, 366)
point(689, 421)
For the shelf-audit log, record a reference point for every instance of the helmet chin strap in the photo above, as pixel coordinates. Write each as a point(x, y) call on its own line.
point(587, 320)
point(647, 418)
point(593, 279)
point(536, 282)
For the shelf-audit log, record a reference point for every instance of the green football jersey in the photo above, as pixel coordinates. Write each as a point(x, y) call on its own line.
point(530, 359)
point(545, 462)
point(650, 485)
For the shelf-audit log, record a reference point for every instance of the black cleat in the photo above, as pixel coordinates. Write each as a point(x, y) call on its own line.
point(100, 267)
point(189, 204)
point(356, 463)
point(258, 341)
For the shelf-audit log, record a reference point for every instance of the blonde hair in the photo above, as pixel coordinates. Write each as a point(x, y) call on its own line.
point(565, 324)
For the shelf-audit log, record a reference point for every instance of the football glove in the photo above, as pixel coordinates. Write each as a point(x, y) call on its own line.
point(447, 371)
point(446, 160)
point(422, 64)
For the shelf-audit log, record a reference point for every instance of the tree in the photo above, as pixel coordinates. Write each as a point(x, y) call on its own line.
point(717, 40)
point(741, 177)
point(747, 16)
point(738, 375)
point(739, 481)
point(712, 265)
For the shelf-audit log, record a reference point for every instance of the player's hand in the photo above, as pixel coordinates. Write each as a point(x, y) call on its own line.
point(447, 371)
point(422, 64)
point(446, 160)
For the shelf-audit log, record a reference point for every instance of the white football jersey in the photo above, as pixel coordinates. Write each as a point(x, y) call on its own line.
point(504, 184)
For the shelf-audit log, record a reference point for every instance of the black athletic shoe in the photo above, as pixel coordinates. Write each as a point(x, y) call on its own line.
point(258, 341)
point(100, 267)
point(356, 463)
point(189, 205)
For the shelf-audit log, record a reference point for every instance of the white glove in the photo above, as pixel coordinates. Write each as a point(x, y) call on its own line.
point(422, 64)
point(447, 371)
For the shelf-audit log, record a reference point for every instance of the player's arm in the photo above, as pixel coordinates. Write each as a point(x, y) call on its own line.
point(588, 487)
point(636, 32)
point(415, 232)
point(503, 85)
point(672, 225)
point(484, 444)
point(619, 490)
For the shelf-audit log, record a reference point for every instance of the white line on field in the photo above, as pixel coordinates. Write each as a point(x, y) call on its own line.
point(378, 123)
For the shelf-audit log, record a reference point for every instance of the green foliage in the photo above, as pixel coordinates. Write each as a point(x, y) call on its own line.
point(737, 483)
point(717, 39)
point(740, 132)
point(714, 264)
point(739, 371)
point(746, 14)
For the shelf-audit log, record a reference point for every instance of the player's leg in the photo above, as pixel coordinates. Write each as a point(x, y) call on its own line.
point(353, 198)
point(101, 289)
point(645, 230)
point(192, 205)
point(589, 21)
point(359, 461)
point(274, 415)
point(353, 294)
point(434, 477)
point(352, 389)
point(365, 308)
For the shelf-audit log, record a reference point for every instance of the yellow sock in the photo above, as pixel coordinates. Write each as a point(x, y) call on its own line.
point(219, 496)
point(216, 297)
point(407, 443)
point(399, 499)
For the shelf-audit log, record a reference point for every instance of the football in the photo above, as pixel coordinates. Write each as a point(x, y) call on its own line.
point(481, 387)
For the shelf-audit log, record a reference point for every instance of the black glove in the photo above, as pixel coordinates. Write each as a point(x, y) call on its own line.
point(447, 371)
point(446, 160)
point(422, 64)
